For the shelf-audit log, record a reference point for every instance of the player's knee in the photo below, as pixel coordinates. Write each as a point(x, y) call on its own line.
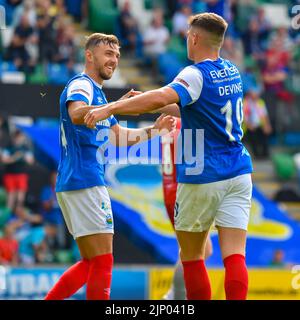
point(95, 245)
point(191, 255)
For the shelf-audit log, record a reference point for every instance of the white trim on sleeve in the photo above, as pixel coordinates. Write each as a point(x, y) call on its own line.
point(83, 87)
point(191, 79)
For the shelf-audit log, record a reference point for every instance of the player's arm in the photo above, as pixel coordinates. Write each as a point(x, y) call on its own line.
point(79, 99)
point(121, 136)
point(143, 103)
point(184, 90)
point(7, 158)
point(77, 111)
point(171, 110)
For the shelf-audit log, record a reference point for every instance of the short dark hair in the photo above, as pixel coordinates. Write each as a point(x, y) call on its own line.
point(212, 23)
point(96, 38)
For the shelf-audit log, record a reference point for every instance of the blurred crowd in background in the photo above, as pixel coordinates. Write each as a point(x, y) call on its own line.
point(42, 43)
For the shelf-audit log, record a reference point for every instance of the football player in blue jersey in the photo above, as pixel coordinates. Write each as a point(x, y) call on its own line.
point(80, 187)
point(213, 167)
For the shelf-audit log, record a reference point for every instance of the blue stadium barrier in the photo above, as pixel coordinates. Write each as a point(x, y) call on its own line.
point(58, 73)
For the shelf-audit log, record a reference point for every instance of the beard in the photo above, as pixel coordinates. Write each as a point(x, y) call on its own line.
point(105, 74)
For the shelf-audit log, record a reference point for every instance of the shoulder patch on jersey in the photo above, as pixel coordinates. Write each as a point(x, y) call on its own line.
point(76, 90)
point(182, 82)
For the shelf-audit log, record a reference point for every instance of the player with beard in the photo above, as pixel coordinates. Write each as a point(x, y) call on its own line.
point(80, 187)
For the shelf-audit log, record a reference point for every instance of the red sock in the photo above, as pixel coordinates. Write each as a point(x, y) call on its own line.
point(196, 280)
point(236, 277)
point(70, 282)
point(99, 279)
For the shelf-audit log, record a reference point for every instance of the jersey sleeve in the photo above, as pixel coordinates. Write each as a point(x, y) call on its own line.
point(113, 121)
point(188, 85)
point(80, 90)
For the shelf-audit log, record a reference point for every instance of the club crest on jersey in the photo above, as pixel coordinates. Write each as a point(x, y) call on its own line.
point(105, 206)
point(100, 100)
point(109, 220)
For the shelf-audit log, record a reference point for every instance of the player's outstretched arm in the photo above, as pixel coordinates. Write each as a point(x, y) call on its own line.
point(171, 110)
point(121, 136)
point(143, 103)
point(77, 111)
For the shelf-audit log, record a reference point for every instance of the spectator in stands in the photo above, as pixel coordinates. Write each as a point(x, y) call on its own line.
point(232, 51)
point(16, 158)
point(128, 28)
point(66, 46)
point(45, 26)
point(278, 259)
point(280, 48)
point(4, 132)
point(171, 7)
point(253, 40)
point(10, 8)
point(217, 6)
point(18, 52)
point(180, 21)
point(51, 211)
point(257, 123)
point(264, 26)
point(25, 216)
point(26, 8)
point(156, 39)
point(45, 253)
point(274, 75)
point(34, 245)
point(9, 247)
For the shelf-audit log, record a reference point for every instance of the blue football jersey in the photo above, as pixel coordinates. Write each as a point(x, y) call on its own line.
point(211, 107)
point(81, 148)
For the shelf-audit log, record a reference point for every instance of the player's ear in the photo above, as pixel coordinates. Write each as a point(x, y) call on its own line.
point(89, 56)
point(195, 38)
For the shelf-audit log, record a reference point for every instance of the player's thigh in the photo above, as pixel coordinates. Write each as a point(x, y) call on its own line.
point(232, 241)
point(94, 245)
point(192, 244)
point(208, 248)
point(196, 206)
point(233, 216)
point(87, 212)
point(170, 199)
point(234, 209)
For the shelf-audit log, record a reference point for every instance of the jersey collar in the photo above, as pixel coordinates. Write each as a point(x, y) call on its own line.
point(94, 82)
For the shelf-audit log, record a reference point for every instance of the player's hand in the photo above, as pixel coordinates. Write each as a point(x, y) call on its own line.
point(130, 94)
point(165, 123)
point(93, 116)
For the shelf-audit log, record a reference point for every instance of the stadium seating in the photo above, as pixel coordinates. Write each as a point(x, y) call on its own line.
point(64, 256)
point(177, 46)
point(39, 76)
point(169, 65)
point(284, 166)
point(102, 20)
point(58, 73)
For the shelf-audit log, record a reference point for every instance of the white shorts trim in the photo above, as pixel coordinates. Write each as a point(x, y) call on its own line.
point(226, 203)
point(86, 211)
